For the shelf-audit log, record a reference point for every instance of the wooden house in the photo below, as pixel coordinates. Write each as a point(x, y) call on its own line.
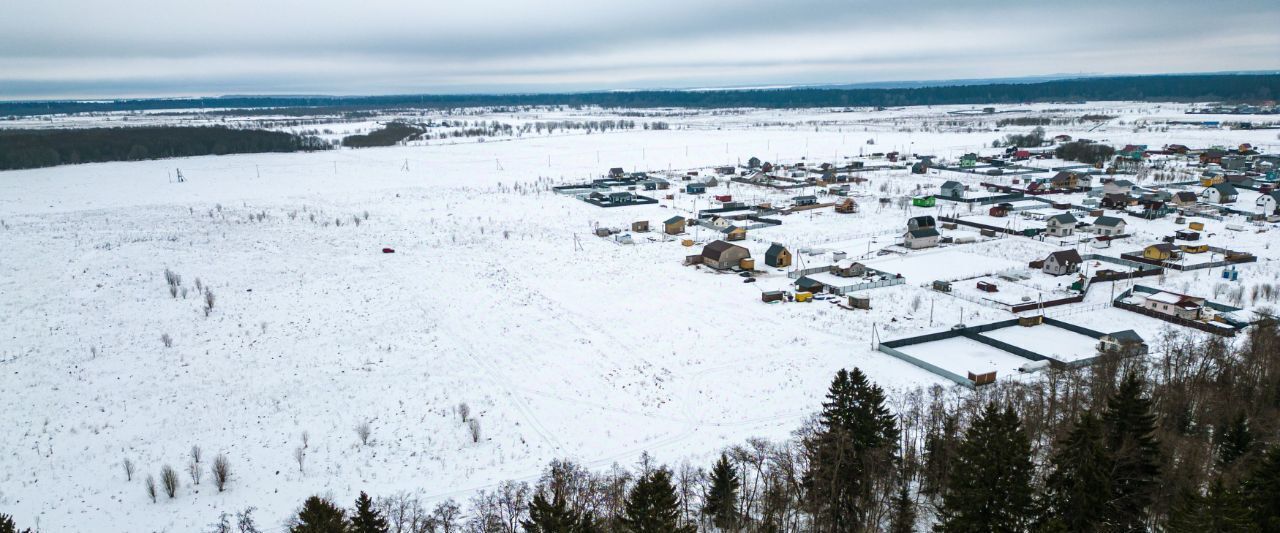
point(640, 226)
point(772, 296)
point(847, 205)
point(848, 268)
point(1126, 342)
point(777, 256)
point(1183, 198)
point(1160, 252)
point(1062, 262)
point(734, 233)
point(722, 255)
point(674, 225)
point(1211, 157)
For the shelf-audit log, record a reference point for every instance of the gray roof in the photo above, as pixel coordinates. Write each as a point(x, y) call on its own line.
point(1225, 188)
point(1126, 336)
point(952, 184)
point(674, 220)
point(923, 233)
point(1063, 218)
point(774, 250)
point(1109, 222)
point(1067, 257)
point(714, 250)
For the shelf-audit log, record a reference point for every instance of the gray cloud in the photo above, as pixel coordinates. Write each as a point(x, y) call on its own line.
point(88, 48)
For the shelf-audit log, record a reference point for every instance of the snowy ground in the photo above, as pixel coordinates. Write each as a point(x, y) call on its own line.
point(563, 344)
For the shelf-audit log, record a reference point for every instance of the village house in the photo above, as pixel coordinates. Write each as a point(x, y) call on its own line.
point(921, 222)
point(720, 223)
point(1117, 187)
point(1174, 304)
point(921, 238)
point(1160, 252)
point(722, 255)
point(1061, 225)
point(1211, 157)
point(1118, 201)
point(807, 199)
point(1108, 226)
point(640, 226)
point(847, 205)
point(777, 256)
point(1062, 262)
point(1065, 180)
point(952, 189)
point(674, 225)
point(1220, 193)
point(1269, 204)
point(1126, 342)
point(848, 268)
point(1184, 198)
point(734, 233)
point(695, 188)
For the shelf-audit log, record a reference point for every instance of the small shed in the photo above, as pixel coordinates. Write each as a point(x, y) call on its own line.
point(859, 302)
point(640, 226)
point(986, 286)
point(777, 256)
point(924, 201)
point(772, 296)
point(734, 233)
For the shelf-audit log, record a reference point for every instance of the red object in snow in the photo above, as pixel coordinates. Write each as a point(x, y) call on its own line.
point(388, 250)
point(724, 198)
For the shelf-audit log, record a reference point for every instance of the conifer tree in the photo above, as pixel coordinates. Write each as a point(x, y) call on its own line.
point(903, 519)
point(854, 446)
point(652, 506)
point(1233, 440)
point(1079, 486)
point(1129, 426)
point(1221, 510)
point(7, 525)
point(990, 489)
point(720, 504)
point(366, 519)
point(319, 515)
point(1261, 491)
point(554, 516)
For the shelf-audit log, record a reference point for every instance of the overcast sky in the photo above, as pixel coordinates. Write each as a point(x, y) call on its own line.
point(96, 48)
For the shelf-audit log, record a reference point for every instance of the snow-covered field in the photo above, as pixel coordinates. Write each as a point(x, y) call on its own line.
point(563, 344)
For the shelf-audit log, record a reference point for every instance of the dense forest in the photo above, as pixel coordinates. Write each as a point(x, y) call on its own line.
point(1207, 87)
point(390, 135)
point(46, 148)
point(1187, 440)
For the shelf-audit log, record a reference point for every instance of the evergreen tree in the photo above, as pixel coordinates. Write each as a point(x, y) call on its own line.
point(720, 504)
point(1262, 492)
point(990, 488)
point(652, 506)
point(903, 519)
point(1079, 486)
point(855, 446)
point(7, 525)
point(1233, 440)
point(1221, 511)
point(319, 515)
point(366, 519)
point(1135, 455)
point(555, 516)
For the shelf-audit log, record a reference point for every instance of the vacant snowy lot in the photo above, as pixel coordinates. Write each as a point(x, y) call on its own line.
point(498, 296)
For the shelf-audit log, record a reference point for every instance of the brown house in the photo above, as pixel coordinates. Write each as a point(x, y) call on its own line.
point(721, 255)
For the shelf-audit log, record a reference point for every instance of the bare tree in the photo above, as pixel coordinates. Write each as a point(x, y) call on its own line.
point(221, 471)
point(299, 455)
point(169, 480)
point(208, 302)
point(167, 340)
point(306, 439)
point(151, 487)
point(363, 430)
point(473, 426)
point(464, 411)
point(196, 454)
point(128, 469)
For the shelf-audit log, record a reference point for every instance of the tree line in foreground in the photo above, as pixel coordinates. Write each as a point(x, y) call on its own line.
point(1182, 441)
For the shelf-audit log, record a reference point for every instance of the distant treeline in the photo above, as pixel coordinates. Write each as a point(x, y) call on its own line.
point(46, 148)
point(1207, 87)
point(389, 135)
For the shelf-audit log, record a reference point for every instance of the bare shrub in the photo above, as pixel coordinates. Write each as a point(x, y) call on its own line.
point(169, 481)
point(363, 431)
point(473, 426)
point(208, 302)
point(128, 469)
point(221, 471)
point(197, 454)
point(167, 340)
point(306, 439)
point(464, 411)
point(300, 455)
point(194, 470)
point(151, 487)
point(173, 280)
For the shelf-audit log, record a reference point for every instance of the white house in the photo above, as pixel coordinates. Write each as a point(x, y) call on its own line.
point(1174, 304)
point(921, 238)
point(1062, 262)
point(1220, 193)
point(1061, 225)
point(1269, 204)
point(1108, 226)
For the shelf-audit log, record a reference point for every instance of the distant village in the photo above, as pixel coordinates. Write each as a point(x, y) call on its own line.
point(1142, 214)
